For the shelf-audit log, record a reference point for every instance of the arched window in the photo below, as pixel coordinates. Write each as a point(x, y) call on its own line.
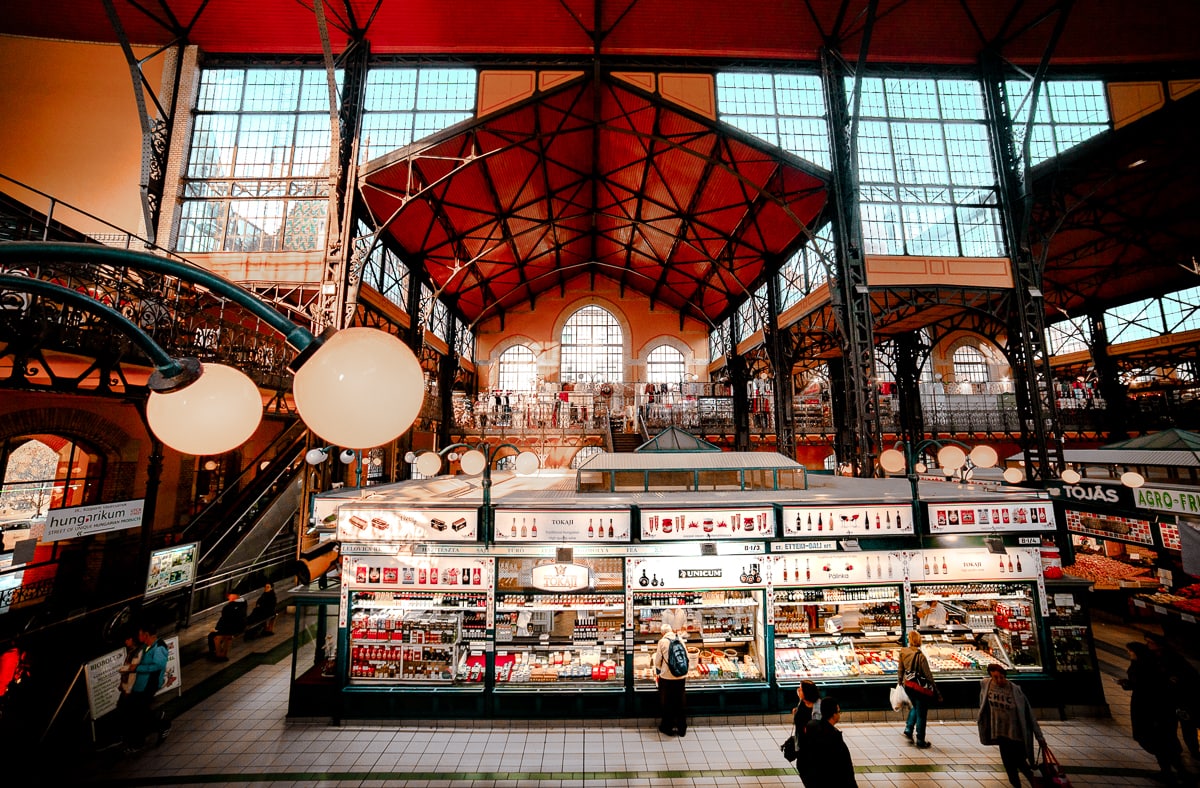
point(43, 472)
point(585, 454)
point(518, 369)
point(970, 366)
point(592, 348)
point(664, 365)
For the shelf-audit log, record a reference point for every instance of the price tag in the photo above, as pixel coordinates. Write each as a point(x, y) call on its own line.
point(1188, 617)
point(1160, 610)
point(1138, 603)
point(1135, 556)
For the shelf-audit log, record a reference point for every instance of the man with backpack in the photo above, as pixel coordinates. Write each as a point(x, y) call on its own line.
point(670, 664)
point(150, 674)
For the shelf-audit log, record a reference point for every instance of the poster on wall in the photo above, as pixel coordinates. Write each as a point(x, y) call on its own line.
point(1123, 529)
point(416, 572)
point(808, 522)
point(172, 568)
point(836, 568)
point(103, 678)
point(707, 524)
point(357, 523)
point(957, 565)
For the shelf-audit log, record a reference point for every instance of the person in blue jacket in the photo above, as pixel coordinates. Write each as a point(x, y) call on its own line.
point(150, 674)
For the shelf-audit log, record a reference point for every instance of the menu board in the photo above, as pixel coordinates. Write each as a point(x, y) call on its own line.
point(979, 517)
point(707, 524)
point(171, 568)
point(358, 523)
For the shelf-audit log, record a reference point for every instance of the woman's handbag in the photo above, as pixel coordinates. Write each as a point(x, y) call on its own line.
point(917, 682)
point(1050, 773)
point(788, 748)
point(899, 698)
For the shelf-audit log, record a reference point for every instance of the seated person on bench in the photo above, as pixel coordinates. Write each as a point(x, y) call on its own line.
point(232, 622)
point(262, 618)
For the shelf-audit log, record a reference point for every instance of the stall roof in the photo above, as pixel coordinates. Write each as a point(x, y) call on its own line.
point(1128, 457)
point(689, 460)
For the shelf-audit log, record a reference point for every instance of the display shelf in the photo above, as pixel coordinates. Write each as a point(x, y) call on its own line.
point(425, 638)
point(541, 668)
point(985, 622)
point(721, 628)
point(843, 633)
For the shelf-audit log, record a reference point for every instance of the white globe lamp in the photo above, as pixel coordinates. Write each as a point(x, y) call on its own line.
point(526, 463)
point(216, 413)
point(472, 462)
point(892, 460)
point(429, 463)
point(362, 388)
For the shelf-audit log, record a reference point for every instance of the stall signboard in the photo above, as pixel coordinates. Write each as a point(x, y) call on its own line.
point(692, 572)
point(707, 524)
point(561, 578)
point(979, 517)
point(594, 526)
point(840, 568)
point(808, 522)
point(87, 520)
point(357, 523)
point(515, 573)
point(957, 565)
point(1163, 499)
point(172, 568)
point(417, 572)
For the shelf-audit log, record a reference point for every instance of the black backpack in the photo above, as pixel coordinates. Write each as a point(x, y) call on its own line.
point(677, 658)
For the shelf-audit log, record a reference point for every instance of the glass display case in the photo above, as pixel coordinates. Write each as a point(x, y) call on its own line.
point(978, 623)
point(721, 628)
point(314, 682)
point(568, 641)
point(417, 637)
point(836, 633)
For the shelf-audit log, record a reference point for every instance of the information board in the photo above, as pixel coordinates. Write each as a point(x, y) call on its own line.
point(171, 568)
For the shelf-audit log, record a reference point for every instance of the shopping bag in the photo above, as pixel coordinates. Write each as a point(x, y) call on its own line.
point(899, 698)
point(1050, 773)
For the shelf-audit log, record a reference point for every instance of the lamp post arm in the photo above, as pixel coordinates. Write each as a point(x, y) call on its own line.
point(16, 253)
point(171, 372)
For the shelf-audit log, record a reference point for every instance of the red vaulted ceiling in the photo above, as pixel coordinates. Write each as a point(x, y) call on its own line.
point(923, 31)
point(594, 177)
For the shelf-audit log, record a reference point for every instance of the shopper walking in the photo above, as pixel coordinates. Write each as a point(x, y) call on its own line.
point(1006, 719)
point(1183, 685)
point(913, 659)
point(808, 696)
point(150, 673)
point(671, 688)
point(1152, 712)
point(825, 761)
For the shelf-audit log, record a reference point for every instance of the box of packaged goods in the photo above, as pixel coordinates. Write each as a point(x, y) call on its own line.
point(1014, 616)
point(878, 662)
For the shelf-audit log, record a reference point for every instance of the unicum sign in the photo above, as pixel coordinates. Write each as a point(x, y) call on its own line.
point(561, 578)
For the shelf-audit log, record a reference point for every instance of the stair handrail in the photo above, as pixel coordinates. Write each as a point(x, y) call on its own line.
point(280, 446)
point(279, 483)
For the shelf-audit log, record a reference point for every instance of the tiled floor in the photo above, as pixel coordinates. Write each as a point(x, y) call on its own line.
point(240, 734)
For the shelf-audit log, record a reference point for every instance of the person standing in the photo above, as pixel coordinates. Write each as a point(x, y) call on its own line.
point(808, 696)
point(825, 761)
point(913, 659)
point(1152, 711)
point(150, 673)
point(932, 614)
point(671, 688)
point(1183, 684)
point(1006, 719)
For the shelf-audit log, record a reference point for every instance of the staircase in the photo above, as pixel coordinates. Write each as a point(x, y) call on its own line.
point(623, 441)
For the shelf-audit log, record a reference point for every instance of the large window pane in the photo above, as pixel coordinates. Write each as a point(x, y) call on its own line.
point(592, 348)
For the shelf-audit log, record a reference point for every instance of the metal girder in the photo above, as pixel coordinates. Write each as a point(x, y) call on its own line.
point(858, 432)
point(156, 131)
point(1027, 352)
point(780, 350)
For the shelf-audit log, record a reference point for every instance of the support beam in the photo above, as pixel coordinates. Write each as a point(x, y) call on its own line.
point(1111, 388)
point(780, 351)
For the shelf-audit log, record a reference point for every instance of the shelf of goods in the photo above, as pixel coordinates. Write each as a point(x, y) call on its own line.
point(721, 629)
point(986, 622)
point(1109, 574)
point(1185, 602)
point(418, 638)
point(560, 642)
point(836, 633)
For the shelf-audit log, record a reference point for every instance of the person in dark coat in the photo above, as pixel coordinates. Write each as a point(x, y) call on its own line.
point(1006, 720)
point(808, 696)
point(231, 622)
point(1183, 683)
point(262, 618)
point(1152, 711)
point(825, 761)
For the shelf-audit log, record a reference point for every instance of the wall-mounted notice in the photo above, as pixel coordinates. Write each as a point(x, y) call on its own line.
point(528, 525)
point(707, 524)
point(171, 568)
point(817, 522)
point(87, 520)
point(995, 517)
